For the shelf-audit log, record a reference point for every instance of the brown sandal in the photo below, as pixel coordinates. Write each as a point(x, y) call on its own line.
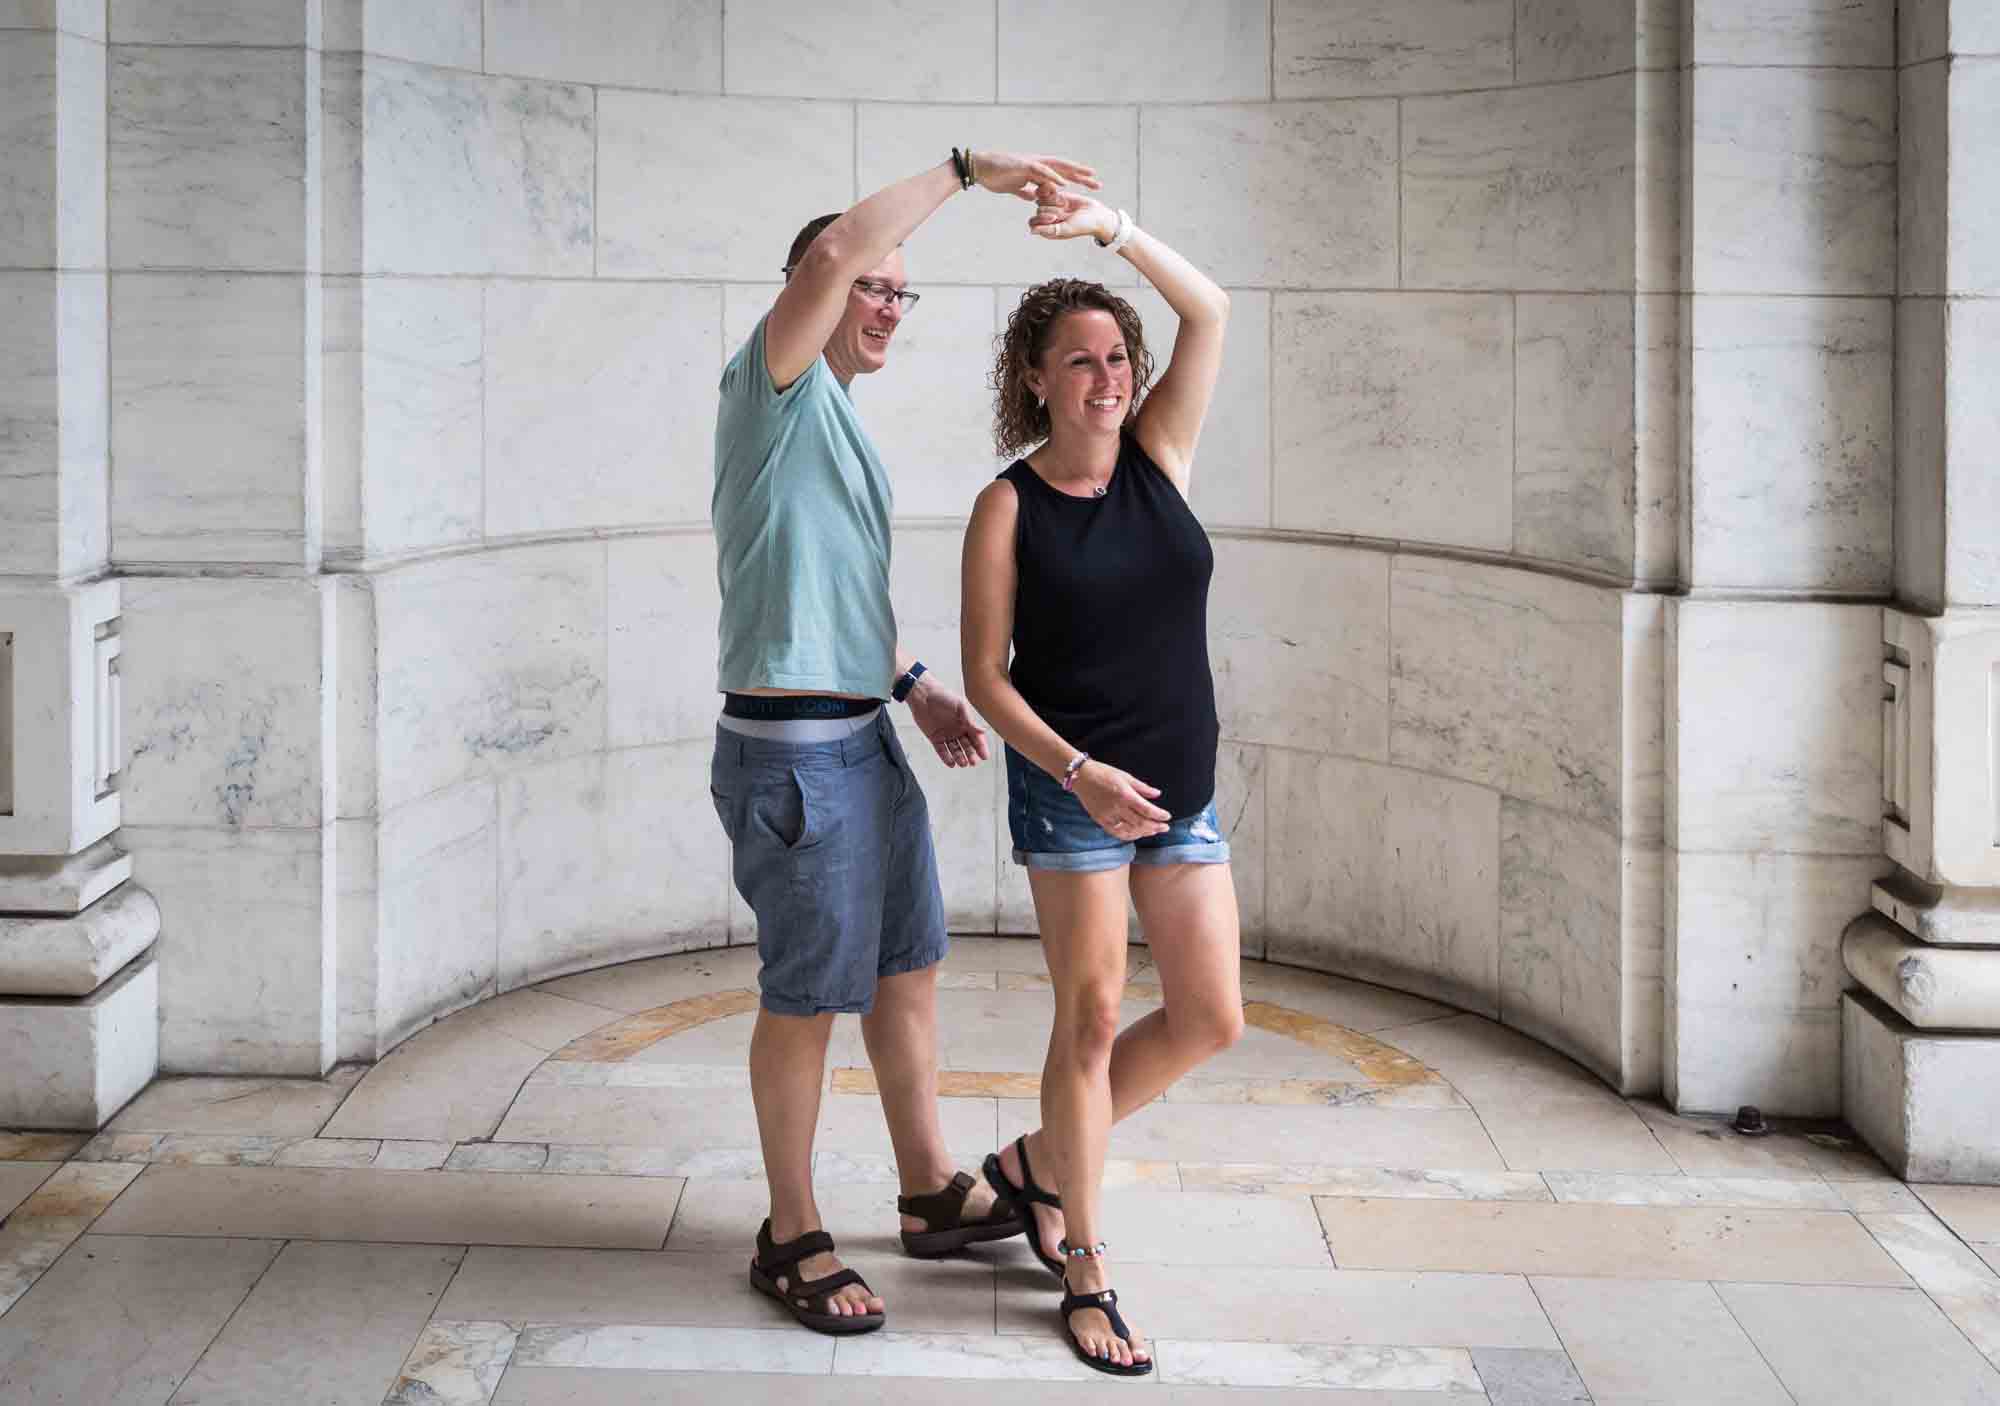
point(807, 1299)
point(946, 1229)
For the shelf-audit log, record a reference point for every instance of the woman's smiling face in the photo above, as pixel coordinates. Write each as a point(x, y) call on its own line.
point(1085, 374)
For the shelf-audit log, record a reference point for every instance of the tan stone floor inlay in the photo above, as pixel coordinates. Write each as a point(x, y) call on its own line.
point(1322, 1217)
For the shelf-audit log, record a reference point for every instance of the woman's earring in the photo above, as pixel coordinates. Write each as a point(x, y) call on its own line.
point(1039, 403)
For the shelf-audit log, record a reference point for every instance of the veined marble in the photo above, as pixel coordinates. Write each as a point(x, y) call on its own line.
point(52, 125)
point(664, 604)
point(1960, 1282)
point(1055, 50)
point(423, 370)
point(1231, 484)
point(205, 22)
point(1236, 1364)
point(1921, 407)
point(678, 1349)
point(1394, 416)
point(1560, 40)
point(1366, 48)
point(1198, 185)
point(1923, 178)
point(443, 32)
point(1305, 1179)
point(1574, 433)
point(37, 1232)
point(1631, 1189)
point(439, 906)
point(626, 44)
point(454, 1364)
point(782, 163)
point(1972, 425)
point(1657, 425)
point(498, 1157)
point(1799, 33)
point(86, 18)
point(54, 423)
point(1563, 968)
point(944, 52)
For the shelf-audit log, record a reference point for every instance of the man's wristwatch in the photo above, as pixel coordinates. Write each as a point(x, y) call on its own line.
point(901, 689)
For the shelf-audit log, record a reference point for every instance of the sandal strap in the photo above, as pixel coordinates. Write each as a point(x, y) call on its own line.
point(1031, 1190)
point(1106, 1302)
point(825, 1286)
point(773, 1257)
point(935, 1208)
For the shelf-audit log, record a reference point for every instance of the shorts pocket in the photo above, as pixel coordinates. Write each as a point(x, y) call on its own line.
point(783, 807)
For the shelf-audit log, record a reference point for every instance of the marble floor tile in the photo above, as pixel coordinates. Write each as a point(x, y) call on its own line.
point(18, 1181)
point(722, 1216)
point(40, 1147)
point(1265, 1303)
point(1972, 1211)
point(1708, 1147)
point(1989, 1253)
point(951, 1083)
point(723, 1044)
point(44, 1225)
point(1354, 1004)
point(893, 1354)
point(610, 1160)
point(710, 1289)
point(330, 1152)
point(1313, 1093)
point(1885, 1198)
point(1303, 1179)
point(1651, 1340)
point(1490, 1063)
point(1626, 1189)
point(286, 1108)
point(1861, 1347)
point(1958, 1280)
point(326, 1323)
point(543, 1019)
point(1269, 1054)
point(658, 981)
point(125, 1319)
point(448, 1083)
point(1573, 1135)
point(216, 1150)
point(1005, 954)
point(1210, 1228)
point(1529, 1377)
point(418, 1208)
point(653, 1348)
point(642, 1072)
point(629, 1035)
point(1351, 1137)
point(498, 1157)
point(454, 1364)
point(583, 1386)
point(406, 1155)
point(1234, 1364)
point(1631, 1242)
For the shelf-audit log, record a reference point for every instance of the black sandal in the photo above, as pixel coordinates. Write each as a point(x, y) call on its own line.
point(807, 1299)
point(1105, 1300)
point(1023, 1196)
point(945, 1226)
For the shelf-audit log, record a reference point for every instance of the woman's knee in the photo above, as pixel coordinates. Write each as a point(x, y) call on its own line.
point(1206, 1026)
point(1091, 1023)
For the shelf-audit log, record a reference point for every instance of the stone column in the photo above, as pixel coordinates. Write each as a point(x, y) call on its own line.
point(1922, 1043)
point(79, 1029)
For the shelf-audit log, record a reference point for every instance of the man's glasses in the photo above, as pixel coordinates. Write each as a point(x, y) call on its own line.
point(884, 294)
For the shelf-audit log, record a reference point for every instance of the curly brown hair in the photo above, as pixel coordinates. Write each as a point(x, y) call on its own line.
point(1018, 422)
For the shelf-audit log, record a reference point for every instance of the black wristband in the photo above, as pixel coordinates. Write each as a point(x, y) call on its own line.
point(903, 686)
point(963, 167)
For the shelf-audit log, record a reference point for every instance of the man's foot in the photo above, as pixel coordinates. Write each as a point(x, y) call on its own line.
point(1048, 1220)
point(1094, 1334)
point(848, 1301)
point(796, 1279)
point(979, 1201)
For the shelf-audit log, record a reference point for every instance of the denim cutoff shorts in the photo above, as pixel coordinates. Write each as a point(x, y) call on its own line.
point(1051, 830)
point(831, 848)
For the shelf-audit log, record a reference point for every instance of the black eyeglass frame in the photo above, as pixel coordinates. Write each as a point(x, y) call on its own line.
point(908, 299)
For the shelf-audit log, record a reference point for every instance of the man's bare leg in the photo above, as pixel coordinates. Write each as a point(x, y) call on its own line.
point(901, 1035)
point(787, 1070)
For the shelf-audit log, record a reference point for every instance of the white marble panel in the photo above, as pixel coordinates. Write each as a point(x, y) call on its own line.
point(1798, 167)
point(1231, 486)
point(609, 857)
point(599, 404)
point(443, 32)
point(664, 605)
point(1656, 238)
point(1642, 722)
point(54, 423)
point(208, 158)
point(1784, 760)
point(1972, 411)
point(1060, 51)
point(675, 44)
point(357, 918)
point(489, 663)
point(1793, 443)
point(880, 50)
point(356, 698)
point(1558, 40)
point(766, 168)
point(1923, 174)
point(1393, 416)
point(1299, 646)
point(270, 23)
point(225, 701)
point(1785, 1062)
point(422, 362)
point(208, 418)
point(1656, 416)
point(439, 906)
point(1205, 166)
point(928, 410)
point(1511, 679)
point(966, 827)
point(1975, 28)
point(1530, 188)
point(1365, 48)
point(1922, 411)
point(1562, 968)
point(978, 237)
point(1974, 263)
point(342, 417)
point(1794, 33)
point(246, 957)
point(52, 124)
point(1386, 875)
point(924, 589)
point(1574, 437)
point(1242, 806)
point(475, 175)
point(80, 17)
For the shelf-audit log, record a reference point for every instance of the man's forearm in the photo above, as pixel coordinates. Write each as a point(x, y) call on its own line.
point(863, 237)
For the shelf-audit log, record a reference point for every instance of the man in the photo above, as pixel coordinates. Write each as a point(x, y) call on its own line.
point(831, 837)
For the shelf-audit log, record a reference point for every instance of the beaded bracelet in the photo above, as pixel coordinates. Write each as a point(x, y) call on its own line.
point(1070, 772)
point(1083, 1252)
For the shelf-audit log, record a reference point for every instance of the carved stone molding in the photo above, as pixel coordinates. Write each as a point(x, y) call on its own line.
point(61, 748)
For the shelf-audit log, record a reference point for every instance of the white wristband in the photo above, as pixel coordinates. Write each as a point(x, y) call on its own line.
point(1126, 229)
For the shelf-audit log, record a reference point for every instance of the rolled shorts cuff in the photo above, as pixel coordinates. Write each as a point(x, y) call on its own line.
point(796, 1006)
point(1080, 861)
point(917, 962)
point(1208, 852)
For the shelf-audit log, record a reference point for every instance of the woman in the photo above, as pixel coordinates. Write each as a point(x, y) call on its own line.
point(1085, 557)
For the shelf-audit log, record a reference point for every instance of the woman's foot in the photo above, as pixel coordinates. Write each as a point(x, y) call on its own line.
point(1092, 1327)
point(1047, 1227)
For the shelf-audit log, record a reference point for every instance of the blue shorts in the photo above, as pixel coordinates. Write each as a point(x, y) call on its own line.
point(1051, 830)
point(831, 848)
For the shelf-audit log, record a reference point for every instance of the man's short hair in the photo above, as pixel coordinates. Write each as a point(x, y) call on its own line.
point(804, 241)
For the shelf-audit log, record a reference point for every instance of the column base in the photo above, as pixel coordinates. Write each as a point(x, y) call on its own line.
point(72, 1064)
point(1923, 1101)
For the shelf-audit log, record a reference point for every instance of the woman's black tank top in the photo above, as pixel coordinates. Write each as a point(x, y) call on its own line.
point(1111, 625)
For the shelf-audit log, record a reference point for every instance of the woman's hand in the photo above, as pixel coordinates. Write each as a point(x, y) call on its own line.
point(1005, 173)
point(1119, 802)
point(1068, 214)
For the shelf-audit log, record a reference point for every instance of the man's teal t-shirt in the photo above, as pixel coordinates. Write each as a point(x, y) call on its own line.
point(801, 510)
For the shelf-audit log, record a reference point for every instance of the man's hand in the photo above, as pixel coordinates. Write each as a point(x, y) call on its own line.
point(1005, 173)
point(947, 720)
